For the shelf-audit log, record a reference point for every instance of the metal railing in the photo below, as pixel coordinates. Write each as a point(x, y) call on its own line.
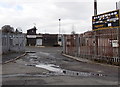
point(100, 45)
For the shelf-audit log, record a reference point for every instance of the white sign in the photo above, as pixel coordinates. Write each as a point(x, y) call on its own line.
point(31, 36)
point(115, 43)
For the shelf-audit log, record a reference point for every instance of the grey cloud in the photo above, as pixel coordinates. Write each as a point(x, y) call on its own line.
point(75, 10)
point(45, 13)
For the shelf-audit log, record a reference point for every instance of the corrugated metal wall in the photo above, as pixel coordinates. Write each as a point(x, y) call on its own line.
point(13, 42)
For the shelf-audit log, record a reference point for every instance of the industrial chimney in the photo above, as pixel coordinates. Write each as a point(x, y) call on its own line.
point(95, 7)
point(117, 5)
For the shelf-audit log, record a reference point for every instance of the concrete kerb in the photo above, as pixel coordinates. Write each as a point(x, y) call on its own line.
point(16, 58)
point(78, 59)
point(87, 61)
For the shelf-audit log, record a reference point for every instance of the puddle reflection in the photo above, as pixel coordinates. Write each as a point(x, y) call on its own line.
point(55, 69)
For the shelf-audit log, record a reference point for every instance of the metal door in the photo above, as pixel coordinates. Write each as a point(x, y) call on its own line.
point(39, 42)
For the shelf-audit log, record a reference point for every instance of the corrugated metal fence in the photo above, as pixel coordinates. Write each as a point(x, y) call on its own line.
point(12, 42)
point(95, 45)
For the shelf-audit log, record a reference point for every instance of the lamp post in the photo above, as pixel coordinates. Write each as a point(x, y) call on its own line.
point(59, 35)
point(59, 26)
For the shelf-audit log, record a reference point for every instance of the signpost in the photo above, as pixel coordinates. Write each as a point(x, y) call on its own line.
point(109, 20)
point(106, 21)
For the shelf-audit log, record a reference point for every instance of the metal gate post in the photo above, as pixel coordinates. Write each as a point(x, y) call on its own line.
point(119, 37)
point(64, 44)
point(77, 45)
point(119, 50)
point(96, 45)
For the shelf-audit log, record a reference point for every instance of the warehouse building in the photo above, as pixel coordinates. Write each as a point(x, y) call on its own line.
point(31, 37)
point(34, 39)
point(50, 39)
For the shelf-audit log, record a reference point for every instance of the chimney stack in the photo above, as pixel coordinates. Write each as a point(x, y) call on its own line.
point(117, 5)
point(95, 7)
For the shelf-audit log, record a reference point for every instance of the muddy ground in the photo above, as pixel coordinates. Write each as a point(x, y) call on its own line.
point(46, 66)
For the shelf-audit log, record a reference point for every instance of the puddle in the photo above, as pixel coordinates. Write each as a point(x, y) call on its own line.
point(65, 73)
point(30, 65)
point(50, 67)
point(43, 53)
point(30, 52)
point(46, 54)
point(54, 69)
point(33, 56)
point(35, 61)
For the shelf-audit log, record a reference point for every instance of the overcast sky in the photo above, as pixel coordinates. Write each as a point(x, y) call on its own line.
point(74, 14)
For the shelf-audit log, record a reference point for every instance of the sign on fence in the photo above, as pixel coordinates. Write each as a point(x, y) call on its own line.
point(115, 43)
point(106, 20)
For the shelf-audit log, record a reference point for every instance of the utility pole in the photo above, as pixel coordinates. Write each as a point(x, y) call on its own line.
point(95, 33)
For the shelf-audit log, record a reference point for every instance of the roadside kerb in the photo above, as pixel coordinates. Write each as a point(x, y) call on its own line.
point(78, 59)
point(11, 60)
point(86, 60)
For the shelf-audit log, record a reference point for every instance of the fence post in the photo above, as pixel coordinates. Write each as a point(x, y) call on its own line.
point(119, 37)
point(119, 48)
point(77, 45)
point(1, 44)
point(96, 45)
point(63, 44)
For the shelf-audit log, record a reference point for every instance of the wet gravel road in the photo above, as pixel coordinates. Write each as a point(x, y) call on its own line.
point(46, 65)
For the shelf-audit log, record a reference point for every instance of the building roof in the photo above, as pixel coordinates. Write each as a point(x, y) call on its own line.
point(34, 28)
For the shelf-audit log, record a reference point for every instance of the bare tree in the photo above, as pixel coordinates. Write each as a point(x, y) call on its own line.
point(7, 29)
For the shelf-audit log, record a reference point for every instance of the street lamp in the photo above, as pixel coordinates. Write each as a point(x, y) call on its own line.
point(59, 35)
point(59, 26)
